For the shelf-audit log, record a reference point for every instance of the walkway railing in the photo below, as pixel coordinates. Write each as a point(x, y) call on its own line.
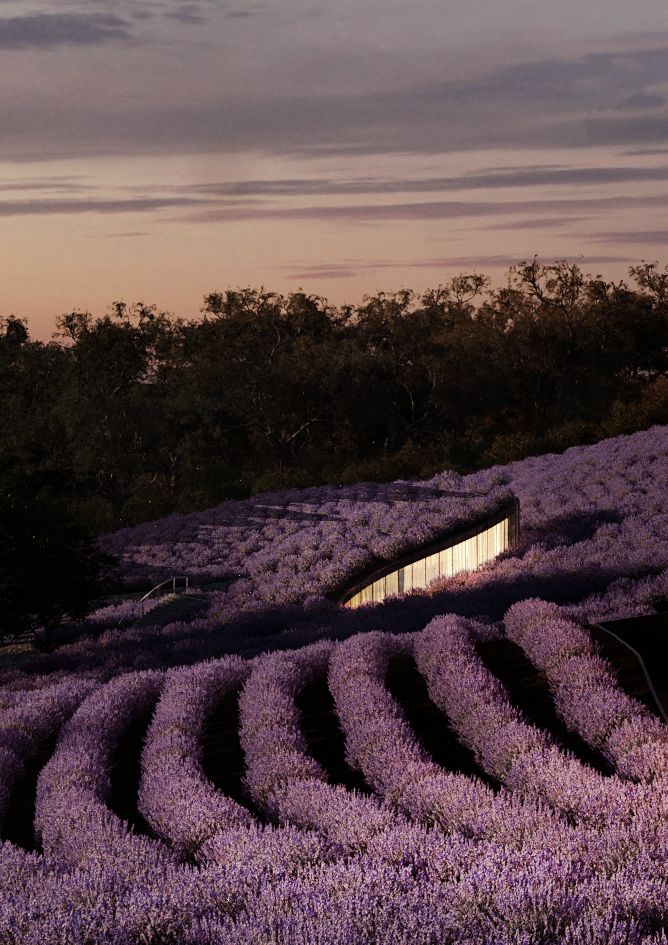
point(134, 615)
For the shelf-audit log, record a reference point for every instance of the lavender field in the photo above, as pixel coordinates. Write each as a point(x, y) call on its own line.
point(278, 768)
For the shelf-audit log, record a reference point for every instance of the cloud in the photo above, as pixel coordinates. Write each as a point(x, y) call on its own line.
point(189, 14)
point(352, 268)
point(260, 87)
point(249, 201)
point(536, 176)
point(56, 183)
point(643, 100)
point(609, 129)
point(10, 208)
point(537, 222)
point(432, 210)
point(49, 30)
point(645, 152)
point(633, 236)
point(131, 233)
point(323, 271)
point(238, 107)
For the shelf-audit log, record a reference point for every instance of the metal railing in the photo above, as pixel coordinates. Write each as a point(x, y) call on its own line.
point(134, 615)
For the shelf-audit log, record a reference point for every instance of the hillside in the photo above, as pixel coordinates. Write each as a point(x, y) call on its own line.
point(463, 763)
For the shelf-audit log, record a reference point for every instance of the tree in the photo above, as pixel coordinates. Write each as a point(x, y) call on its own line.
point(256, 376)
point(109, 405)
point(50, 569)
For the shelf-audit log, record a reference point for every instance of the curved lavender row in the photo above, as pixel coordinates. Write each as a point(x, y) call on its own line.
point(282, 778)
point(179, 802)
point(409, 879)
point(518, 754)
point(31, 720)
point(309, 804)
point(586, 693)
point(381, 743)
point(466, 869)
point(71, 815)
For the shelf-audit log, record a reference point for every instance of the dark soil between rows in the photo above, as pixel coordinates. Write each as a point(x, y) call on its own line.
point(222, 755)
point(19, 823)
point(325, 738)
point(125, 774)
point(430, 725)
point(529, 692)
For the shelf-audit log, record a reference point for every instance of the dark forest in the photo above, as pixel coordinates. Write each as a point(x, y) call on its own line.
point(129, 416)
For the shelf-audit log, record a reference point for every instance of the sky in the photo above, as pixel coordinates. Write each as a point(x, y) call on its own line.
point(158, 151)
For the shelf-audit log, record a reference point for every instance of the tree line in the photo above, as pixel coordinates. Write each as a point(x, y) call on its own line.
point(128, 416)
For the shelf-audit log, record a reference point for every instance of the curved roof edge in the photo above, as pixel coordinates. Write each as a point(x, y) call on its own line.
point(510, 510)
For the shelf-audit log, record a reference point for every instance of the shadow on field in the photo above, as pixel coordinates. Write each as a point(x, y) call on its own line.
point(125, 774)
point(429, 724)
point(19, 824)
point(326, 741)
point(222, 755)
point(530, 693)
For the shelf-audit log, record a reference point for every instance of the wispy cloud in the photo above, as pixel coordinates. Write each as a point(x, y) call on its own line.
point(10, 208)
point(479, 263)
point(535, 223)
point(646, 237)
point(545, 103)
point(537, 176)
point(613, 129)
point(132, 233)
point(189, 14)
point(433, 210)
point(49, 30)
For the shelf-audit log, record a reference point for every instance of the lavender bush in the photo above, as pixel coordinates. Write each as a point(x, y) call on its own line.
point(178, 801)
point(586, 693)
point(380, 742)
point(514, 751)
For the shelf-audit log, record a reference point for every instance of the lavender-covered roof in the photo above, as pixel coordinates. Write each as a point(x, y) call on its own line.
point(299, 543)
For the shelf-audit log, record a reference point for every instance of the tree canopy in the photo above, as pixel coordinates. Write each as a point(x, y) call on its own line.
point(130, 415)
point(50, 569)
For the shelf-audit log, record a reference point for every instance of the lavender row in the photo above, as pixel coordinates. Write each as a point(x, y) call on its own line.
point(381, 743)
point(273, 735)
point(71, 815)
point(28, 722)
point(262, 883)
point(282, 778)
point(175, 796)
point(469, 885)
point(586, 693)
point(523, 757)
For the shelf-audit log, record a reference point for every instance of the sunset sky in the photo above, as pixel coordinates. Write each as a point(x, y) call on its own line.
point(157, 151)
